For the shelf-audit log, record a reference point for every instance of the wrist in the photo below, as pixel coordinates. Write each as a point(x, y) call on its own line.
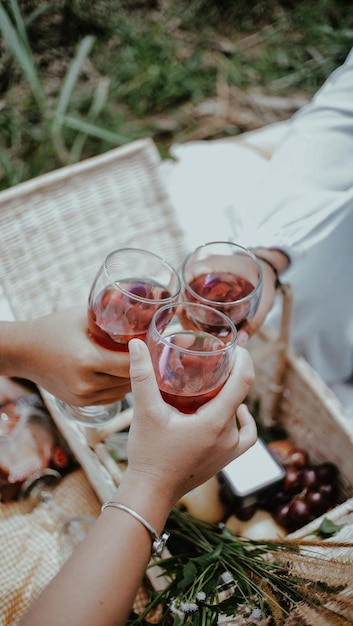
point(147, 496)
point(158, 541)
point(11, 349)
point(278, 258)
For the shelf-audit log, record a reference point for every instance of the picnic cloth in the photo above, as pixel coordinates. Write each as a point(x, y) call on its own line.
point(29, 547)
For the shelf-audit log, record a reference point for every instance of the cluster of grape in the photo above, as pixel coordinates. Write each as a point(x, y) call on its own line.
point(308, 490)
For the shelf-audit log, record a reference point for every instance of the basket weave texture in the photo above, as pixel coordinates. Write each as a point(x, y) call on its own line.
point(297, 399)
point(56, 230)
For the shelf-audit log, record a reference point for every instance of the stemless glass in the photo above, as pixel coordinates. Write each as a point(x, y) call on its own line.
point(129, 287)
point(38, 488)
point(192, 353)
point(13, 418)
point(225, 276)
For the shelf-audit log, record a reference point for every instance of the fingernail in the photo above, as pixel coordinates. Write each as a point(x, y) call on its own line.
point(134, 348)
point(243, 338)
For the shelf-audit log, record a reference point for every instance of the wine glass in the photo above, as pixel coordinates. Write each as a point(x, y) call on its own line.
point(73, 530)
point(225, 276)
point(13, 417)
point(129, 287)
point(192, 349)
point(38, 488)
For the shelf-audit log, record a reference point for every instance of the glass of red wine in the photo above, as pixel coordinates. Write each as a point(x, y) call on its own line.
point(192, 350)
point(128, 288)
point(225, 276)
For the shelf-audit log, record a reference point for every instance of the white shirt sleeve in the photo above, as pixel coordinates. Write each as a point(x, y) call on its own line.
point(300, 201)
point(307, 189)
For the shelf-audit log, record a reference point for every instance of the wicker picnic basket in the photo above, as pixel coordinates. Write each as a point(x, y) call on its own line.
point(54, 232)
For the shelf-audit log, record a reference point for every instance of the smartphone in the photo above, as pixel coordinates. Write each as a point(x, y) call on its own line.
point(251, 477)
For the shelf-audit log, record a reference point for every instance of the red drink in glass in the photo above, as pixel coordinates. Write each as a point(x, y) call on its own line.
point(188, 404)
point(191, 363)
point(226, 277)
point(116, 316)
point(190, 369)
point(221, 288)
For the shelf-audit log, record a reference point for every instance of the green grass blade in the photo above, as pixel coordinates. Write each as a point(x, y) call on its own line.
point(20, 25)
point(36, 13)
point(22, 55)
point(94, 131)
point(11, 172)
point(72, 76)
point(99, 100)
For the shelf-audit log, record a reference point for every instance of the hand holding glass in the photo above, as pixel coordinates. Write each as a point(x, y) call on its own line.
point(225, 276)
point(129, 287)
point(192, 354)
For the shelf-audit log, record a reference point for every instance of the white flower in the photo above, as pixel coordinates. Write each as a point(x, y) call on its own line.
point(256, 615)
point(175, 609)
point(189, 607)
point(201, 596)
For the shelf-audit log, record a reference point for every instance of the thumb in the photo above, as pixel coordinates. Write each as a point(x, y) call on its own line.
point(143, 381)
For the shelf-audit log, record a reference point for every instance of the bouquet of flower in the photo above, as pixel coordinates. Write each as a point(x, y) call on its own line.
point(213, 577)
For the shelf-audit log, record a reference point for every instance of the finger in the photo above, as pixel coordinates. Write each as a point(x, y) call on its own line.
point(107, 396)
point(143, 382)
point(235, 389)
point(117, 366)
point(243, 338)
point(102, 381)
point(248, 331)
point(247, 431)
point(251, 327)
point(241, 378)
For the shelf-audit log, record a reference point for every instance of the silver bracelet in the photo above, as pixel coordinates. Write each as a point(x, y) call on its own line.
point(158, 541)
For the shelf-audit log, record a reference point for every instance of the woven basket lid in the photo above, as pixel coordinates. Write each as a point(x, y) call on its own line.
point(56, 229)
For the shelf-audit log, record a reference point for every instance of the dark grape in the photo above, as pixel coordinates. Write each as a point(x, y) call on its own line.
point(298, 458)
point(292, 480)
point(281, 515)
point(327, 472)
point(280, 497)
point(307, 492)
point(317, 502)
point(309, 477)
point(330, 492)
point(270, 502)
point(299, 512)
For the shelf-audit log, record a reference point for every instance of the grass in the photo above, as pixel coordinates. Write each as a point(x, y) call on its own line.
point(78, 78)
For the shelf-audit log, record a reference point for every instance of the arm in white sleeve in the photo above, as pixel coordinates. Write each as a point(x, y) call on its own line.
point(307, 189)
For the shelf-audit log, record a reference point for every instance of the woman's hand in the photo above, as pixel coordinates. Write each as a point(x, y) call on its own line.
point(56, 353)
point(280, 261)
point(171, 452)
